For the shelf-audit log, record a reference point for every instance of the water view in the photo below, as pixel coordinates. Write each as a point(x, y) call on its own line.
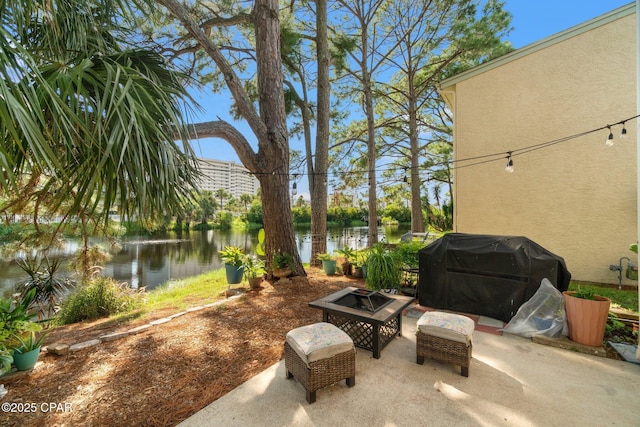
point(150, 261)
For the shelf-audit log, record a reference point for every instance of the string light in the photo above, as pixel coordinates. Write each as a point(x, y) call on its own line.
point(478, 160)
point(509, 167)
point(609, 140)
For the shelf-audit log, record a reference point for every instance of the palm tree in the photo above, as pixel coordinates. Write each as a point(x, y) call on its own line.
point(206, 206)
point(246, 200)
point(86, 116)
point(221, 193)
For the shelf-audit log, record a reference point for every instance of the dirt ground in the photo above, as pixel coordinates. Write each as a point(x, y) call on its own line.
point(165, 374)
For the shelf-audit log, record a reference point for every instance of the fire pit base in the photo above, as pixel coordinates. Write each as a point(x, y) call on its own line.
point(369, 330)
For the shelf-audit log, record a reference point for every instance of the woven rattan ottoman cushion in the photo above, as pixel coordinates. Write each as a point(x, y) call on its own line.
point(318, 341)
point(449, 326)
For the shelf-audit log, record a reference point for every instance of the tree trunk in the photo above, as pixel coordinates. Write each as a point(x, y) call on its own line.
point(417, 219)
point(319, 183)
point(271, 163)
point(372, 204)
point(371, 162)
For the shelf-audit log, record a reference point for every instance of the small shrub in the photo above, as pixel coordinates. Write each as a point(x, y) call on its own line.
point(100, 297)
point(223, 220)
point(383, 270)
point(407, 252)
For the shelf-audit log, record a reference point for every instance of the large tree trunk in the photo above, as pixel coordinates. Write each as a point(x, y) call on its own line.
point(271, 163)
point(274, 149)
point(371, 162)
point(318, 182)
point(417, 219)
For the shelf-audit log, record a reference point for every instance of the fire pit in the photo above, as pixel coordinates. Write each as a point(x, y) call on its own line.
point(365, 300)
point(370, 318)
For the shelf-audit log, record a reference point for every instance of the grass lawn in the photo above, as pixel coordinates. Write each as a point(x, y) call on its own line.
point(180, 294)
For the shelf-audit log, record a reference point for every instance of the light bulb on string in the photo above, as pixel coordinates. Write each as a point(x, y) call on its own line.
point(623, 132)
point(509, 167)
point(609, 141)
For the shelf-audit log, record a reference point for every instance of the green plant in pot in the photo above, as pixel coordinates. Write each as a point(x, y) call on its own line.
point(253, 271)
point(26, 355)
point(586, 316)
point(383, 270)
point(360, 264)
point(282, 264)
point(347, 254)
point(234, 261)
point(16, 324)
point(328, 263)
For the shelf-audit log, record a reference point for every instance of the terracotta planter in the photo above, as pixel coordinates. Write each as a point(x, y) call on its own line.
point(254, 282)
point(586, 318)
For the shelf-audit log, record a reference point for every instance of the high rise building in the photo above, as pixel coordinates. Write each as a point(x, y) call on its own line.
point(230, 176)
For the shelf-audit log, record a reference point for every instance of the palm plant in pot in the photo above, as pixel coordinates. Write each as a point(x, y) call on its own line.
point(328, 263)
point(234, 261)
point(253, 271)
point(587, 316)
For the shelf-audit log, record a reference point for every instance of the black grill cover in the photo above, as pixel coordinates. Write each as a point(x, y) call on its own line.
point(486, 275)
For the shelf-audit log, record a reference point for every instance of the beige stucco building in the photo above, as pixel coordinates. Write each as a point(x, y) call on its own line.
point(577, 198)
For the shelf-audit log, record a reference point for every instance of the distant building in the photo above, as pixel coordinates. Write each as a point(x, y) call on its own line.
point(230, 176)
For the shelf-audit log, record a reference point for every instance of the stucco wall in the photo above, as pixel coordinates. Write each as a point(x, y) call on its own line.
point(576, 198)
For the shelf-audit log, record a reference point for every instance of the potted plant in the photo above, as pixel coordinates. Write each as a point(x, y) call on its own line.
point(15, 324)
point(26, 355)
point(348, 254)
point(234, 261)
point(383, 270)
point(328, 263)
point(282, 264)
point(587, 316)
point(360, 264)
point(253, 271)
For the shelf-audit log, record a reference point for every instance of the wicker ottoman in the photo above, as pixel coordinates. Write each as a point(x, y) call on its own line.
point(445, 337)
point(318, 356)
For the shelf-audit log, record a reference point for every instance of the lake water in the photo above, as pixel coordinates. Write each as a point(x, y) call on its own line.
point(150, 261)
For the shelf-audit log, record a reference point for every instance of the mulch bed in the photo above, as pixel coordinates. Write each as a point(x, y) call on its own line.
point(167, 373)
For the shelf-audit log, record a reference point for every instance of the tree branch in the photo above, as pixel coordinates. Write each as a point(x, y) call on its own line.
point(224, 130)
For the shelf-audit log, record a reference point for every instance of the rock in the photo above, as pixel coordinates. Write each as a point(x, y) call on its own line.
point(83, 345)
point(58, 349)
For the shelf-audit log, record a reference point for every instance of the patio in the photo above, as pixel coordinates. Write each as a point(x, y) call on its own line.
point(512, 381)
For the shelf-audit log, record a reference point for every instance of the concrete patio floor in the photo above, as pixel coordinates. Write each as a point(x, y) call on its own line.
point(512, 382)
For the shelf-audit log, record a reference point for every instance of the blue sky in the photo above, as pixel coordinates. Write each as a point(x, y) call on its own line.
point(532, 21)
